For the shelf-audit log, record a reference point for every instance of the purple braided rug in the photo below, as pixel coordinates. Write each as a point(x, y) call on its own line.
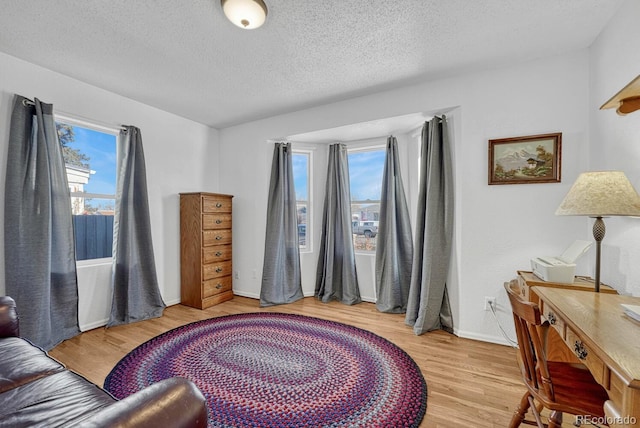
point(281, 370)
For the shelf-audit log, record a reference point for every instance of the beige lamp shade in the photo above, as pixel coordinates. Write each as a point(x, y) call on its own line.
point(601, 194)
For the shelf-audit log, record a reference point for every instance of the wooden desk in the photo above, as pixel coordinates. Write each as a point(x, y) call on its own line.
point(556, 351)
point(607, 341)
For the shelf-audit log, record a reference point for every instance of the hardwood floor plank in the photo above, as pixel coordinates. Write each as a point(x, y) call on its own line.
point(469, 383)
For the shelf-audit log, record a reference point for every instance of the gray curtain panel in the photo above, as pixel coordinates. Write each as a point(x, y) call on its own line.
point(336, 277)
point(136, 295)
point(428, 307)
point(394, 249)
point(281, 277)
point(40, 265)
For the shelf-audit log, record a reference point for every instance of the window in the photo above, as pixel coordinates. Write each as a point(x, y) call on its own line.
point(301, 173)
point(90, 161)
point(366, 167)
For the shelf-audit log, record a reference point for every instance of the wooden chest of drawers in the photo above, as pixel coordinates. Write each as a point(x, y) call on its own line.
point(206, 272)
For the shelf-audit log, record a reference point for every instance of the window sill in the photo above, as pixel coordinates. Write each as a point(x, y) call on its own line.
point(94, 262)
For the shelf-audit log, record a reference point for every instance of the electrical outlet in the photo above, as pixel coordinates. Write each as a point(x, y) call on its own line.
point(489, 302)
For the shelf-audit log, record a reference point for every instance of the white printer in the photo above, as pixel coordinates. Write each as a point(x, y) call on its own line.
point(561, 268)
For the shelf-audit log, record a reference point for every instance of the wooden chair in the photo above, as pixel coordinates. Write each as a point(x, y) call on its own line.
point(560, 387)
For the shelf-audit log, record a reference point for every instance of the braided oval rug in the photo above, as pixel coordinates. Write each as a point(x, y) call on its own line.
point(282, 370)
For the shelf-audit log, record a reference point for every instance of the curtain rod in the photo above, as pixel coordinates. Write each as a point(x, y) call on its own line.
point(77, 120)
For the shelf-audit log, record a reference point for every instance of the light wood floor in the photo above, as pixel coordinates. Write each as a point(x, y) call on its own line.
point(470, 383)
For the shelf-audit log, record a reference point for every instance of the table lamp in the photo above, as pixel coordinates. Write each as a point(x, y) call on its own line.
point(600, 194)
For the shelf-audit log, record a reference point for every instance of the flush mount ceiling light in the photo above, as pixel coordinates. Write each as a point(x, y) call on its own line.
point(247, 14)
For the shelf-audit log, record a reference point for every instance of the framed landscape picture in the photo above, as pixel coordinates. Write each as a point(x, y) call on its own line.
point(523, 160)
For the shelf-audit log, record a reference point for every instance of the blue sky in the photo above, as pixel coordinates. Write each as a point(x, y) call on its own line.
point(101, 150)
point(365, 174)
point(365, 168)
point(300, 180)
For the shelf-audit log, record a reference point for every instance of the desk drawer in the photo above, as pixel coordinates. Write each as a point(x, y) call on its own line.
point(556, 344)
point(586, 356)
point(555, 321)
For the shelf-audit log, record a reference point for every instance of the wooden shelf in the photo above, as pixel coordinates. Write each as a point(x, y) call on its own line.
point(627, 100)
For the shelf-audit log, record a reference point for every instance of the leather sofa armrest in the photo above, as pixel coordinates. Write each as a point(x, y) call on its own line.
point(8, 318)
point(174, 402)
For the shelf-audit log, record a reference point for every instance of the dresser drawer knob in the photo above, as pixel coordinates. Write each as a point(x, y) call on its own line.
point(580, 350)
point(219, 205)
point(219, 269)
point(219, 286)
point(218, 221)
point(218, 238)
point(552, 318)
point(218, 253)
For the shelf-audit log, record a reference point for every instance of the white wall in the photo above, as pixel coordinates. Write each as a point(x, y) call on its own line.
point(498, 228)
point(175, 149)
point(615, 140)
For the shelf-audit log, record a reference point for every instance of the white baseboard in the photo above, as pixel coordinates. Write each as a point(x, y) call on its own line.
point(94, 324)
point(245, 294)
point(103, 322)
point(499, 340)
point(172, 302)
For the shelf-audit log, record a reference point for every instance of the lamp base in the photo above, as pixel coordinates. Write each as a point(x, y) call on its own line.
point(599, 230)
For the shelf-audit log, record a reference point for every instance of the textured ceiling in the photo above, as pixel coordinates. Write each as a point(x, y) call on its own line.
point(186, 58)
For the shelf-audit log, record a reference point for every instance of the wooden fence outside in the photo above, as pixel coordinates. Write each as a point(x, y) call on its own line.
point(94, 236)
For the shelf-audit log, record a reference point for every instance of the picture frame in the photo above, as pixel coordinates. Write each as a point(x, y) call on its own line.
point(526, 160)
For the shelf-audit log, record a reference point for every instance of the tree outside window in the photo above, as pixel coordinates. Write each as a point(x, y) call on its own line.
point(90, 163)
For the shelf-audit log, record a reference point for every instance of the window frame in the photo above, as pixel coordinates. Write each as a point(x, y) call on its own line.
point(94, 126)
point(307, 151)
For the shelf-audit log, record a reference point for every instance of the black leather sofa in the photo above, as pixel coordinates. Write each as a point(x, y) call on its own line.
point(36, 390)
